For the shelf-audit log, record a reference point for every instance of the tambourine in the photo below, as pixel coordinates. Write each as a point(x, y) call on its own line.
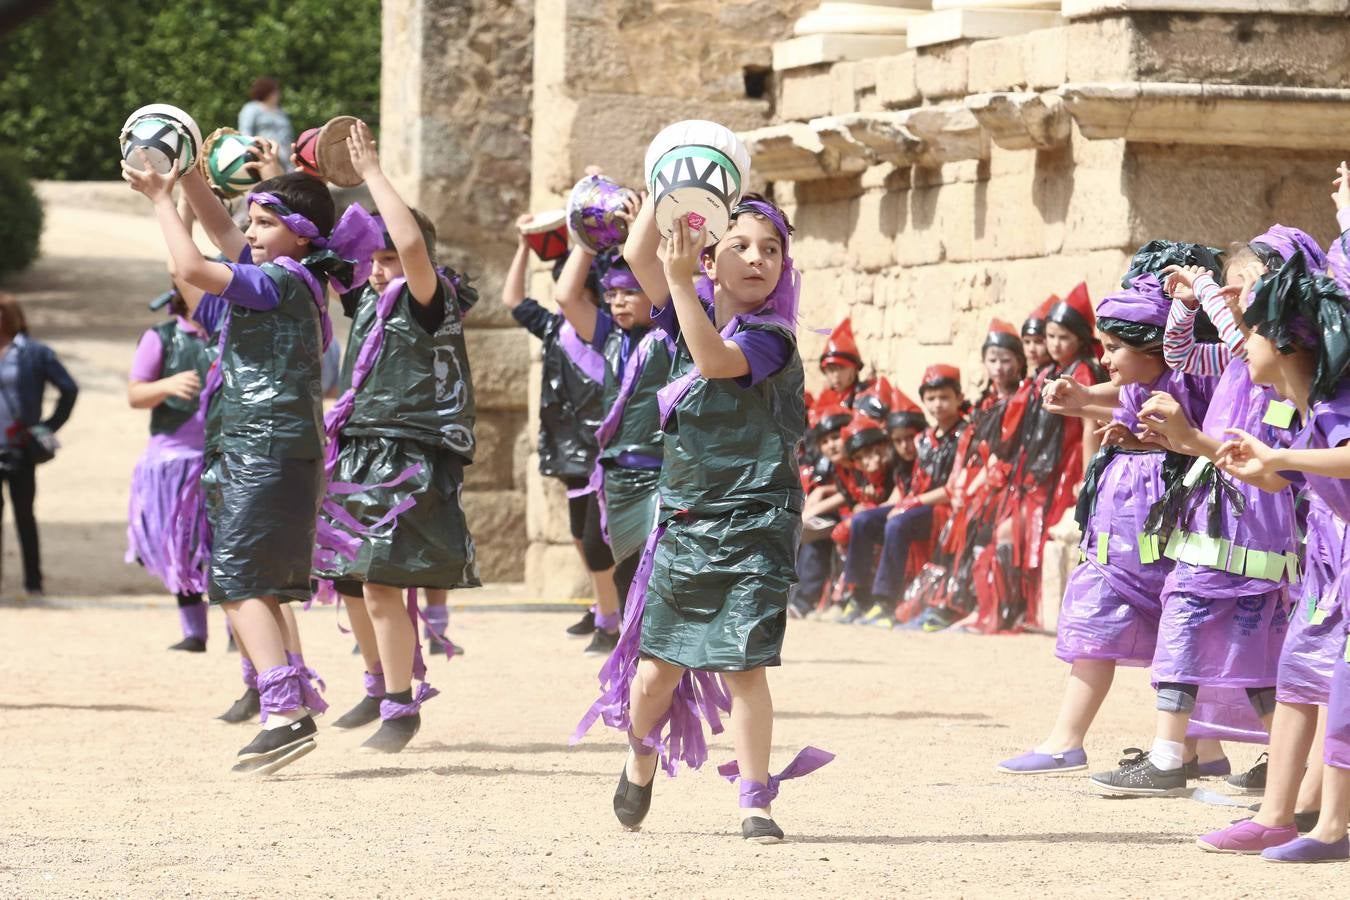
point(330, 152)
point(546, 233)
point(224, 154)
point(169, 137)
point(305, 145)
point(592, 213)
point(696, 169)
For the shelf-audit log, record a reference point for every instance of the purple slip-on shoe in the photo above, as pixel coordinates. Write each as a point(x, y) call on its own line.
point(1307, 850)
point(1215, 768)
point(1246, 837)
point(1033, 763)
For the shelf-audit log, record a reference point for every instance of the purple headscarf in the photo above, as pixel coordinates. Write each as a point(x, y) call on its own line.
point(620, 278)
point(1286, 241)
point(355, 238)
point(780, 308)
point(1142, 302)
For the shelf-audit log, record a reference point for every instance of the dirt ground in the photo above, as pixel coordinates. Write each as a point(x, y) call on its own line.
point(115, 777)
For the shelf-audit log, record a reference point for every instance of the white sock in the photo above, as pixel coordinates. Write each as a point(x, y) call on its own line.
point(282, 719)
point(1166, 755)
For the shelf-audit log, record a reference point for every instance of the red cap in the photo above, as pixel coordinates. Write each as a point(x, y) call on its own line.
point(830, 418)
point(998, 326)
point(842, 349)
point(863, 432)
point(902, 403)
point(940, 375)
point(1075, 313)
point(1035, 323)
point(1003, 334)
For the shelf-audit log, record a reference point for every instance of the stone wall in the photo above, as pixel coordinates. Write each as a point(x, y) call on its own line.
point(609, 74)
point(455, 138)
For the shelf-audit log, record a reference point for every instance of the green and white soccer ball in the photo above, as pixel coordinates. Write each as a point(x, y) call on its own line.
point(168, 137)
point(224, 156)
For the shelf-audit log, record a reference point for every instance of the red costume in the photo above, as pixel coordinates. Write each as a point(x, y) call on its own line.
point(842, 350)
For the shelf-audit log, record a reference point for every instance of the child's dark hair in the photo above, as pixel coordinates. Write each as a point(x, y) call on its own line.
point(424, 225)
point(262, 88)
point(303, 194)
point(746, 207)
point(1242, 252)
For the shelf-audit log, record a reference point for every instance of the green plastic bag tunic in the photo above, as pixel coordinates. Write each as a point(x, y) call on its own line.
point(183, 351)
point(271, 367)
point(630, 492)
point(415, 408)
point(731, 503)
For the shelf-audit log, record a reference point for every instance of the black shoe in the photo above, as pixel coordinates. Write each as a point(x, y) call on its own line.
point(758, 830)
point(1137, 777)
point(360, 715)
point(1252, 781)
point(631, 801)
point(583, 627)
point(190, 644)
point(245, 708)
point(394, 734)
point(602, 643)
point(273, 748)
point(435, 647)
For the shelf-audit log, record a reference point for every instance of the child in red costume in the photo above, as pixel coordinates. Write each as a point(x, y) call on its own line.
point(843, 366)
point(821, 512)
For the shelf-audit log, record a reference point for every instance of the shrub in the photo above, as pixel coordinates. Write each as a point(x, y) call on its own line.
point(20, 215)
point(72, 75)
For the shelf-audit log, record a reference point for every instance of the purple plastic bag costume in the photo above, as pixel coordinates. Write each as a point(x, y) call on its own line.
point(1111, 602)
point(1225, 603)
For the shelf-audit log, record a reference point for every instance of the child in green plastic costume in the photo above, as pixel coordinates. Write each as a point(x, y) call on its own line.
point(401, 430)
point(263, 478)
point(708, 609)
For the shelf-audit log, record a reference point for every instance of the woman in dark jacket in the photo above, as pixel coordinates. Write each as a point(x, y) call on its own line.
point(26, 368)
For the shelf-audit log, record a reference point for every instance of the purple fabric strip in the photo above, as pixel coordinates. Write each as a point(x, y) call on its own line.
point(637, 461)
point(167, 531)
point(437, 620)
point(607, 621)
point(308, 678)
point(193, 620)
point(391, 710)
point(754, 794)
point(670, 396)
point(583, 356)
point(700, 697)
point(248, 672)
point(365, 363)
point(356, 237)
point(286, 689)
point(374, 683)
point(628, 385)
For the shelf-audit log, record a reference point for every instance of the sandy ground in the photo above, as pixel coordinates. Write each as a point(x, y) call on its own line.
point(115, 778)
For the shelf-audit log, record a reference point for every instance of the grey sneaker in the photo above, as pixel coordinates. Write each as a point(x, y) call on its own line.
point(1252, 781)
point(1137, 777)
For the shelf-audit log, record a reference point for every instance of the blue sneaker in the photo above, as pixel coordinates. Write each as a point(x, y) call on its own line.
point(1033, 763)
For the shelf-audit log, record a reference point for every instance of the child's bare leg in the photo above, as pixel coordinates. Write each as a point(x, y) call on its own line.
point(1291, 737)
point(291, 629)
point(649, 698)
point(751, 729)
point(1331, 824)
point(1205, 749)
point(1310, 788)
point(364, 631)
point(606, 594)
point(1089, 683)
point(394, 634)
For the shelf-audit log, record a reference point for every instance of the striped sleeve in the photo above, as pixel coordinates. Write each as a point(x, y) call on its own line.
point(1212, 302)
point(1182, 353)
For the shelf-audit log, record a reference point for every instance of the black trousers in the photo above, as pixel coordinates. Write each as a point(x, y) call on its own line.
point(21, 479)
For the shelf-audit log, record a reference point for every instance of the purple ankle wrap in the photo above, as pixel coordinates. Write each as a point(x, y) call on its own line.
point(639, 746)
point(193, 620)
point(280, 689)
point(754, 794)
point(391, 710)
point(313, 701)
point(437, 620)
point(249, 673)
point(374, 684)
point(607, 621)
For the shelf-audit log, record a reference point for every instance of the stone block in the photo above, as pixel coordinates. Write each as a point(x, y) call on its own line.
point(897, 85)
point(1073, 9)
point(496, 435)
point(1045, 57)
point(949, 25)
point(805, 93)
point(997, 65)
point(1100, 50)
point(500, 361)
point(546, 499)
point(941, 72)
point(843, 90)
point(555, 572)
point(872, 244)
point(497, 522)
point(817, 49)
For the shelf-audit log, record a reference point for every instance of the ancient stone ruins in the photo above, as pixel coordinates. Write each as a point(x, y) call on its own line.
point(942, 163)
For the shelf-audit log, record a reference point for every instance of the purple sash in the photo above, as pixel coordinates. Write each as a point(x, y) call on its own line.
point(807, 760)
point(670, 396)
point(583, 355)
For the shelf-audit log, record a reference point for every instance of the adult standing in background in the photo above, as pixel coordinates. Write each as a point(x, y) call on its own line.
point(26, 368)
point(262, 116)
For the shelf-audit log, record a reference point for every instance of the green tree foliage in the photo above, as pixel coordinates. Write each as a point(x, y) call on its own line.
point(71, 76)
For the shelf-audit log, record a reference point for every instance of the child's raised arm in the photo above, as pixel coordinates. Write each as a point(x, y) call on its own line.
point(641, 252)
point(513, 287)
point(213, 216)
point(212, 277)
point(568, 293)
point(412, 249)
point(715, 357)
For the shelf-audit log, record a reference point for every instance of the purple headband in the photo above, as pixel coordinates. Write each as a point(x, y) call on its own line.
point(620, 278)
point(1286, 241)
point(1143, 302)
point(780, 308)
point(355, 238)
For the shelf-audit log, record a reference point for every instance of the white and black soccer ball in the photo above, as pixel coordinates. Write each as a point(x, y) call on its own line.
point(167, 135)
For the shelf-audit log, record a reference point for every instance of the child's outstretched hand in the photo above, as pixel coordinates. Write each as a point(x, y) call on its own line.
point(361, 146)
point(1342, 183)
point(147, 181)
point(682, 252)
point(632, 205)
point(1245, 456)
point(1180, 283)
point(1161, 416)
point(1064, 395)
